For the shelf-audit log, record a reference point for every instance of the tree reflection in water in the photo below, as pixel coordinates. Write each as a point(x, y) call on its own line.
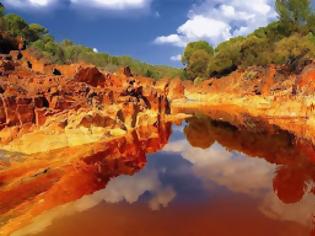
point(295, 175)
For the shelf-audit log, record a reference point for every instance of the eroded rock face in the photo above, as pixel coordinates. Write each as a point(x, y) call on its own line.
point(91, 76)
point(176, 89)
point(272, 80)
point(43, 103)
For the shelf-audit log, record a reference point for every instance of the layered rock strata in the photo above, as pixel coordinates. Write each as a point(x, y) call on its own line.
point(278, 95)
point(45, 107)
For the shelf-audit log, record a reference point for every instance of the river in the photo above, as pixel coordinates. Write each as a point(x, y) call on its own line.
point(199, 177)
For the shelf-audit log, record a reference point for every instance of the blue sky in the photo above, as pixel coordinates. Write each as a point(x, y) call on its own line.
point(154, 31)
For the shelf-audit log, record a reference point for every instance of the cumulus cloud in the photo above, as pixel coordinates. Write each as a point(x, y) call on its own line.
point(176, 58)
point(129, 189)
point(219, 20)
point(301, 212)
point(242, 174)
point(121, 189)
point(23, 4)
point(173, 39)
point(113, 5)
point(162, 198)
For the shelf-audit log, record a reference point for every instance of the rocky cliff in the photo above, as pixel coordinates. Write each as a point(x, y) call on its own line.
point(45, 107)
point(280, 95)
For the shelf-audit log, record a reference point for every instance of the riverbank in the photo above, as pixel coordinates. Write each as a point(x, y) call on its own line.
point(240, 100)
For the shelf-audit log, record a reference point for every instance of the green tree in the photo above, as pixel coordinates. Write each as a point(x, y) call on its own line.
point(15, 25)
point(2, 22)
point(35, 32)
point(198, 64)
point(194, 46)
point(293, 48)
point(227, 57)
point(293, 14)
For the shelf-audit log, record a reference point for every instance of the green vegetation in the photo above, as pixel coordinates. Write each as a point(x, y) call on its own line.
point(289, 39)
point(67, 52)
point(43, 45)
point(197, 56)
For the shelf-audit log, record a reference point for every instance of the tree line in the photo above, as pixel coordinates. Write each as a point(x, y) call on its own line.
point(289, 39)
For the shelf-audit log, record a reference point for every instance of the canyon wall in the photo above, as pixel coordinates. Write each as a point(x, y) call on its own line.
point(281, 95)
point(45, 106)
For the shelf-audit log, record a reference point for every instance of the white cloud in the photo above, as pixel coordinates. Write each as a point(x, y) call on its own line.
point(120, 189)
point(130, 188)
point(173, 39)
point(30, 3)
point(219, 20)
point(241, 174)
point(301, 212)
point(95, 50)
point(176, 58)
point(219, 165)
point(162, 198)
point(113, 4)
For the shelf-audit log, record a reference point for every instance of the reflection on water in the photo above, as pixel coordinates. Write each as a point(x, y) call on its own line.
point(207, 178)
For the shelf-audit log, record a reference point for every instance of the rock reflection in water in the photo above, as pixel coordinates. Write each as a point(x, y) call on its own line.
point(294, 177)
point(295, 158)
point(212, 174)
point(43, 181)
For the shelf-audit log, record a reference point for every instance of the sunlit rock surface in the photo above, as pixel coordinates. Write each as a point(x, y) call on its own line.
point(277, 95)
point(45, 107)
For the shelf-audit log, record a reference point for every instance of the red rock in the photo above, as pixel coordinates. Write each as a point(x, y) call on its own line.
point(25, 110)
point(127, 72)
point(10, 110)
point(40, 116)
point(176, 89)
point(306, 81)
point(91, 76)
point(32, 92)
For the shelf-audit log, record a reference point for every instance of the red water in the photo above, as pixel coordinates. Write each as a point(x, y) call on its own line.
point(209, 179)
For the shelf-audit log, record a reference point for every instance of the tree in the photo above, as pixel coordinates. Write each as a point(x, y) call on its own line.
point(194, 46)
point(2, 10)
point(198, 64)
point(15, 25)
point(227, 57)
point(293, 48)
point(35, 32)
point(2, 23)
point(255, 51)
point(293, 14)
point(196, 57)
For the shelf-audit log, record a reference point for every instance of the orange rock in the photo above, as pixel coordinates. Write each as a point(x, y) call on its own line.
point(91, 76)
point(306, 81)
point(35, 92)
point(176, 89)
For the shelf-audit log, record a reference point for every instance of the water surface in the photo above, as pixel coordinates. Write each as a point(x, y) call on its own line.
point(200, 178)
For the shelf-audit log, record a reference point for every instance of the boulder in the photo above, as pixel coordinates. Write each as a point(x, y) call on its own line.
point(90, 75)
point(127, 72)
